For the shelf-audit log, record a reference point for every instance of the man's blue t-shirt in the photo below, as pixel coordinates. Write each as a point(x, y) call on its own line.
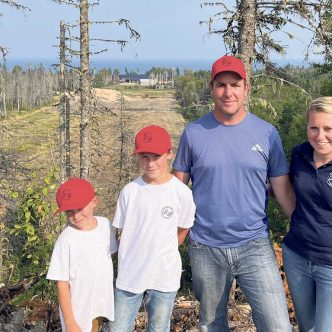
point(230, 166)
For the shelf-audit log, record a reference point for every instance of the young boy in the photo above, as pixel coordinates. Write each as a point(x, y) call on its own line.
point(155, 212)
point(81, 261)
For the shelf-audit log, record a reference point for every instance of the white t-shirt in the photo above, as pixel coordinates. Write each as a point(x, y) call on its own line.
point(84, 259)
point(149, 216)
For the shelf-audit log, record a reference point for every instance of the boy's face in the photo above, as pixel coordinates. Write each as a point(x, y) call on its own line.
point(155, 167)
point(83, 219)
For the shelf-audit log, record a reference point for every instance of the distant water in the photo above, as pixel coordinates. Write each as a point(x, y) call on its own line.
point(140, 65)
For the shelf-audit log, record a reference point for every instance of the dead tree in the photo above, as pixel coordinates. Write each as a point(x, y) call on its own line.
point(2, 238)
point(17, 5)
point(14, 4)
point(3, 86)
point(84, 90)
point(84, 69)
point(248, 27)
point(62, 107)
point(8, 293)
point(64, 111)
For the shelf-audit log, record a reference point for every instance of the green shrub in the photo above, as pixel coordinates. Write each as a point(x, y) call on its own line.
point(34, 230)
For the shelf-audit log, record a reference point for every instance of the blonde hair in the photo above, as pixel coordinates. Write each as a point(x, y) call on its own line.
point(321, 104)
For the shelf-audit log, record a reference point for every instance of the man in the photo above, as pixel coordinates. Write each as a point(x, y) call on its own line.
point(231, 156)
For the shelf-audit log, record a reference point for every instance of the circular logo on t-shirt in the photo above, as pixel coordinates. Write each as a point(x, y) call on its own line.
point(167, 212)
point(329, 180)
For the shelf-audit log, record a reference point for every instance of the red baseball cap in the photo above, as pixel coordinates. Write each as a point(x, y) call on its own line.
point(74, 194)
point(228, 63)
point(152, 139)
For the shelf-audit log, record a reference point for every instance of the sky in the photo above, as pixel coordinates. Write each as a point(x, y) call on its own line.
point(169, 29)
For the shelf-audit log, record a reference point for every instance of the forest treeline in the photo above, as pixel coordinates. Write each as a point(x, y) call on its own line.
point(106, 76)
point(34, 87)
point(25, 89)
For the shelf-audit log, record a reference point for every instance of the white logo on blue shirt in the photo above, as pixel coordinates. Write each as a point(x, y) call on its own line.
point(329, 180)
point(257, 147)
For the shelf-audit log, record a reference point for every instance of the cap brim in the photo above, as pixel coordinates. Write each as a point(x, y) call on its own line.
point(160, 153)
point(225, 71)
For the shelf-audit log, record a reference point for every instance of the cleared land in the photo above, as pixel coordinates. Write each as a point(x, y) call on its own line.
point(29, 140)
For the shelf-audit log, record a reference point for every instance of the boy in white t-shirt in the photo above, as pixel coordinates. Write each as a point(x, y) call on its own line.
point(81, 261)
point(155, 212)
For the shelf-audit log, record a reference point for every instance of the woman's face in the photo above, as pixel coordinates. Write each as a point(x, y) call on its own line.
point(319, 131)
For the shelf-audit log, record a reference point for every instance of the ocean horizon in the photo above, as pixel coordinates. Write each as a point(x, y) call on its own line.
point(139, 66)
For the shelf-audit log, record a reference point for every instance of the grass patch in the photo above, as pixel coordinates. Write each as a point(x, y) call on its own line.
point(134, 90)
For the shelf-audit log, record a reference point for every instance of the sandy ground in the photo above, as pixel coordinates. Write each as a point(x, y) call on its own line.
point(112, 98)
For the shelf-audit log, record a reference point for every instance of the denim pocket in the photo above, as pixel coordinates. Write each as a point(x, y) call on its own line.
point(263, 241)
point(194, 244)
point(262, 248)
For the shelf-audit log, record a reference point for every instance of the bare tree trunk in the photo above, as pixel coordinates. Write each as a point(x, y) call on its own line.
point(4, 104)
point(67, 141)
point(85, 90)
point(247, 35)
point(64, 112)
point(18, 102)
point(2, 228)
point(62, 105)
point(3, 83)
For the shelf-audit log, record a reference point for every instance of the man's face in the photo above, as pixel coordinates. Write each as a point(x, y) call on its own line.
point(229, 91)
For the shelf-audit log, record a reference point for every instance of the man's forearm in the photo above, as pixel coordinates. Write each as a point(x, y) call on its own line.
point(284, 193)
point(184, 177)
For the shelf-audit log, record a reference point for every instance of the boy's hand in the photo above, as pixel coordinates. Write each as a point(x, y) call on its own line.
point(65, 304)
point(182, 233)
point(73, 327)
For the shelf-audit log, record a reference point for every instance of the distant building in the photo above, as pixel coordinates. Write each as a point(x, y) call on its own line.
point(131, 78)
point(148, 81)
point(138, 79)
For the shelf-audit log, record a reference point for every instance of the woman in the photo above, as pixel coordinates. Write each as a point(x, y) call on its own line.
point(307, 249)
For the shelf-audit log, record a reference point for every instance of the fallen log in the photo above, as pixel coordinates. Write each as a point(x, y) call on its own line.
point(8, 293)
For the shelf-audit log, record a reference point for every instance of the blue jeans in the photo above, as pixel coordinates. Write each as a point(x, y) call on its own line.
point(159, 308)
point(310, 286)
point(256, 271)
